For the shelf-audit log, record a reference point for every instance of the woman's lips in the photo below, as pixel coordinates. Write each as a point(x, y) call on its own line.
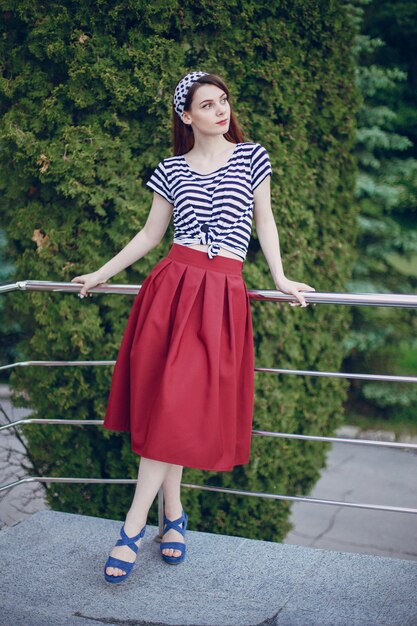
point(222, 122)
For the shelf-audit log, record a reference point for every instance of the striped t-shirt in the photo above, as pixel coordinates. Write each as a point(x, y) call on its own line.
point(217, 208)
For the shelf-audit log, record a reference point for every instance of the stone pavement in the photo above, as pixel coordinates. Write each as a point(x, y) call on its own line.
point(360, 473)
point(52, 575)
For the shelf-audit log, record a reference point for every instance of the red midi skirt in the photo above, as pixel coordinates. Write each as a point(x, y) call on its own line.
point(183, 382)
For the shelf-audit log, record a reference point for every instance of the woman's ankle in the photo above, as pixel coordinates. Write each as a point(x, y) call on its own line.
point(173, 511)
point(134, 521)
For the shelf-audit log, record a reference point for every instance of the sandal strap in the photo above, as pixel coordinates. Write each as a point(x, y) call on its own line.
point(176, 524)
point(124, 565)
point(175, 545)
point(130, 541)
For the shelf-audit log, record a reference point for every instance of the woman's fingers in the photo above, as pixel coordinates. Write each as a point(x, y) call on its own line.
point(86, 285)
point(301, 301)
point(84, 292)
point(84, 289)
point(303, 287)
point(80, 279)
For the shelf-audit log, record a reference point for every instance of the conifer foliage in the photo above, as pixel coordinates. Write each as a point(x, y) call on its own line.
point(383, 340)
point(85, 96)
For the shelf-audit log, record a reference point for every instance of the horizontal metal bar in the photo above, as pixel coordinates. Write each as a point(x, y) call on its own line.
point(54, 364)
point(261, 433)
point(275, 496)
point(39, 420)
point(313, 297)
point(365, 442)
point(65, 479)
point(259, 494)
point(364, 299)
point(9, 287)
point(381, 377)
point(46, 285)
point(272, 370)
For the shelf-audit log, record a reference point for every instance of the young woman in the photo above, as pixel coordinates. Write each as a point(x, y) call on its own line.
point(184, 376)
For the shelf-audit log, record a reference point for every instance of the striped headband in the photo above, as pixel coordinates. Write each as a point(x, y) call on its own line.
point(181, 90)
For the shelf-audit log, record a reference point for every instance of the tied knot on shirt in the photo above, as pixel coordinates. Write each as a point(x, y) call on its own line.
point(207, 238)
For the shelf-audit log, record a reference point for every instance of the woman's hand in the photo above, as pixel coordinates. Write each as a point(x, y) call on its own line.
point(88, 281)
point(291, 287)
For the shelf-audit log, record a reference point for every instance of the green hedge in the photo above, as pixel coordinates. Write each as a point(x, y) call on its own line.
point(86, 94)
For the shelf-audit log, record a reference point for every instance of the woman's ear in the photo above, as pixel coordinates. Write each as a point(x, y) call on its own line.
point(186, 118)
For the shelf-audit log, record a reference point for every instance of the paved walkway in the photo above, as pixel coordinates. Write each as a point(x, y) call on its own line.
point(52, 567)
point(360, 473)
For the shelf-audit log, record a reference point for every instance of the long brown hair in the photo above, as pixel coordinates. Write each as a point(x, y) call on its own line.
point(182, 134)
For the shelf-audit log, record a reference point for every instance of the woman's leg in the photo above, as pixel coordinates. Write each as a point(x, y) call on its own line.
point(151, 475)
point(172, 505)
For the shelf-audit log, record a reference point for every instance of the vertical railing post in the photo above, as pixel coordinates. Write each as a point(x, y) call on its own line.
point(160, 515)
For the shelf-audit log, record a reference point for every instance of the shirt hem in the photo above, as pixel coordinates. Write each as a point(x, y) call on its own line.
point(239, 254)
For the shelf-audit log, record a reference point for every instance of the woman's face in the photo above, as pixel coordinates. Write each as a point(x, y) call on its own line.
point(209, 106)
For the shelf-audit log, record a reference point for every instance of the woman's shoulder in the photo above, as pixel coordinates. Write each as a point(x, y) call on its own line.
point(169, 162)
point(171, 165)
point(253, 147)
point(172, 160)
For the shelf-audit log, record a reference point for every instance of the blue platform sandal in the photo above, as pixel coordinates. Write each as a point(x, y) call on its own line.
point(176, 545)
point(124, 565)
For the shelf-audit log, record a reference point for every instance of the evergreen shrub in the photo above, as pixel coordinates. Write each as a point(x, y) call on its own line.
point(85, 96)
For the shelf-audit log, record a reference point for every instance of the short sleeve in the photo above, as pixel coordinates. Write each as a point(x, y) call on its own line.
point(260, 165)
point(159, 182)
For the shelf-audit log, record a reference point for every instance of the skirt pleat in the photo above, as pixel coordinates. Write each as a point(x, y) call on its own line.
point(183, 382)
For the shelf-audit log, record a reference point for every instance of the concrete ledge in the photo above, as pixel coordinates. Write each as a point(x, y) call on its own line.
point(52, 575)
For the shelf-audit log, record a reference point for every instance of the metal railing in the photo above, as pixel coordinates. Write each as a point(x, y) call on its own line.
point(312, 297)
point(368, 299)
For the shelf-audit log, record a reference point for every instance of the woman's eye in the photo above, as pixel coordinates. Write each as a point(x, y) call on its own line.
point(223, 101)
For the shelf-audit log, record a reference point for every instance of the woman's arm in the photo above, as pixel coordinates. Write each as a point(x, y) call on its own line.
point(144, 241)
point(267, 232)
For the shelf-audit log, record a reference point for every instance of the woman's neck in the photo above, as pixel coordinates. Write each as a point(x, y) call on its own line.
point(210, 148)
